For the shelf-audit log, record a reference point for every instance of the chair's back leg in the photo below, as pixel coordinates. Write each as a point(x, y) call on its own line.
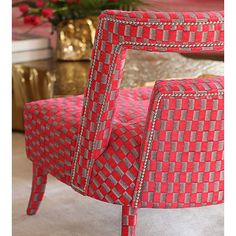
point(38, 187)
point(129, 221)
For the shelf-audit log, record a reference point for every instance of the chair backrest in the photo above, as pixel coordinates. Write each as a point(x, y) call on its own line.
point(118, 31)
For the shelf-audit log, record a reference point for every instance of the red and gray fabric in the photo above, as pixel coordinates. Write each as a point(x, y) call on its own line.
point(158, 147)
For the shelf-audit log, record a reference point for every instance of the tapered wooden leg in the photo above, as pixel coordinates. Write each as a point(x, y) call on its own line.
point(37, 191)
point(129, 221)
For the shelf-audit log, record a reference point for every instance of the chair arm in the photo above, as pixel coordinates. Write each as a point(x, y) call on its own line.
point(185, 119)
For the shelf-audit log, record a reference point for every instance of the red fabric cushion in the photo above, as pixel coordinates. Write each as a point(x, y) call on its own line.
point(52, 126)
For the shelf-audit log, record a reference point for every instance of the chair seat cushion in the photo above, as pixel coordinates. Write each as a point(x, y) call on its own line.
point(52, 127)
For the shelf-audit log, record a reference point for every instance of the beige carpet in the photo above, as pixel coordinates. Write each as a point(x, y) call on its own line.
point(64, 212)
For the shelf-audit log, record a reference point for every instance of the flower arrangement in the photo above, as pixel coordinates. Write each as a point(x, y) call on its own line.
point(55, 11)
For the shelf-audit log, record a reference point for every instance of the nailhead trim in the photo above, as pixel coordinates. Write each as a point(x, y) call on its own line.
point(163, 45)
point(220, 93)
point(111, 70)
point(164, 23)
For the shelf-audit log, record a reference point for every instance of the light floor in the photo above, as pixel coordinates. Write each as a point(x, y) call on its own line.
point(64, 212)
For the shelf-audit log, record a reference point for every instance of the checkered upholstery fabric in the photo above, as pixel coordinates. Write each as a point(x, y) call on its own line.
point(182, 156)
point(129, 221)
point(117, 32)
point(109, 146)
point(51, 128)
point(115, 171)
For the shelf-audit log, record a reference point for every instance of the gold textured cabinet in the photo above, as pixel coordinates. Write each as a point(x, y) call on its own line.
point(42, 80)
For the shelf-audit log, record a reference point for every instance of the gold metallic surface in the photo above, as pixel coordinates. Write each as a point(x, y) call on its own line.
point(71, 78)
point(141, 68)
point(75, 39)
point(28, 86)
point(50, 78)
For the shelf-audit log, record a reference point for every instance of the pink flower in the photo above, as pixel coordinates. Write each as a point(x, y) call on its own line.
point(27, 19)
point(24, 7)
point(47, 12)
point(40, 3)
point(35, 20)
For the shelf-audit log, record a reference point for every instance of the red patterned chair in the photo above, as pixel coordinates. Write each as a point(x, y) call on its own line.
point(158, 147)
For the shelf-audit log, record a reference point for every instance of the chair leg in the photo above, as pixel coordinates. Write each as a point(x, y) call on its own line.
point(37, 190)
point(129, 221)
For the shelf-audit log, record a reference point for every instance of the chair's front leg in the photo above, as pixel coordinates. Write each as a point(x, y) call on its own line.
point(38, 187)
point(129, 221)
